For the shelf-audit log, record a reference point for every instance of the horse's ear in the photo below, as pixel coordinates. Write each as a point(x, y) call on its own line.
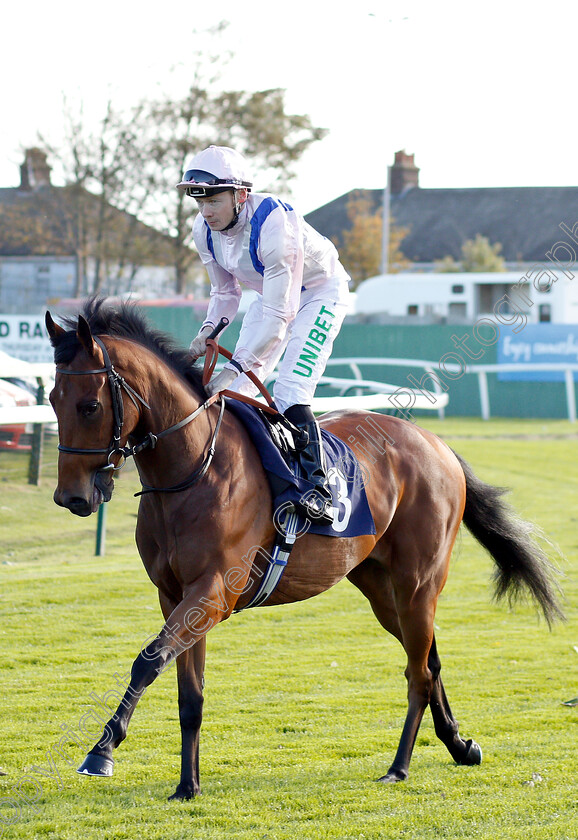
point(54, 330)
point(85, 336)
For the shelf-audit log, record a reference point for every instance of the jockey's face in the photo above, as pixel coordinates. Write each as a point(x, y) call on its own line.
point(219, 210)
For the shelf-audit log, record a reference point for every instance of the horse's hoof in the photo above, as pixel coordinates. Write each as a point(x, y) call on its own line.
point(473, 753)
point(96, 765)
point(183, 793)
point(393, 776)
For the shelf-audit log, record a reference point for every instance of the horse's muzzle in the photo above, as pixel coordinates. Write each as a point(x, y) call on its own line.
point(84, 505)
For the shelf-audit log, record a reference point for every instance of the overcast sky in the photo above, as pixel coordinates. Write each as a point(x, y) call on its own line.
point(484, 94)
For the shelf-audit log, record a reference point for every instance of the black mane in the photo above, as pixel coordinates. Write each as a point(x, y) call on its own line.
point(125, 321)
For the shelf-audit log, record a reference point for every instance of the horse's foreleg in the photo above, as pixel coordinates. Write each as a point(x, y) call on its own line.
point(99, 761)
point(188, 624)
point(146, 667)
point(190, 668)
point(445, 724)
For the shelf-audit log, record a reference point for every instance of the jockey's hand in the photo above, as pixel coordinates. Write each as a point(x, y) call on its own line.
point(198, 346)
point(222, 381)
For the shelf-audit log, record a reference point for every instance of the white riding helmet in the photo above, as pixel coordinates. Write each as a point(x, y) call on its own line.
point(214, 170)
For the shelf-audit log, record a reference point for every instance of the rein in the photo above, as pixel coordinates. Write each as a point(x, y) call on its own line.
point(118, 384)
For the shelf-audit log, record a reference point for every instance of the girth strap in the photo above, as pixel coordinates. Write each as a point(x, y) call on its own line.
point(277, 561)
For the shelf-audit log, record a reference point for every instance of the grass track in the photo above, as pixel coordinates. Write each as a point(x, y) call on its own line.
point(304, 704)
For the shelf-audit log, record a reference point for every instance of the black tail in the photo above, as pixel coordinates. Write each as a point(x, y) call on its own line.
point(521, 563)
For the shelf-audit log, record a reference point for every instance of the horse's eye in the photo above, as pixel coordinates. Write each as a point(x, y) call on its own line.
point(89, 409)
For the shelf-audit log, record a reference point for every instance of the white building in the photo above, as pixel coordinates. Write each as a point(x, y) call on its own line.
point(543, 293)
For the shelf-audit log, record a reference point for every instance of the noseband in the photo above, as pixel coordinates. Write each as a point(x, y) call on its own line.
point(118, 384)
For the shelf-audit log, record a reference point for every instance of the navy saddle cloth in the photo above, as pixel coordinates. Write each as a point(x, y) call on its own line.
point(351, 514)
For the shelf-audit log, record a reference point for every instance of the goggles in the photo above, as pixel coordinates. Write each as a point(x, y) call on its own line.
point(199, 176)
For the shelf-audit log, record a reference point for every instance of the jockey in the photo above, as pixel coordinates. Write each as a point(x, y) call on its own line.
point(302, 293)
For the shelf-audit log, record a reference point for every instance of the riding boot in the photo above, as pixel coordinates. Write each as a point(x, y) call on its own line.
point(315, 504)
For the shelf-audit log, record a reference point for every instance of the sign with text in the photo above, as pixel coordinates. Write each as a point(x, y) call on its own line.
point(25, 337)
point(539, 344)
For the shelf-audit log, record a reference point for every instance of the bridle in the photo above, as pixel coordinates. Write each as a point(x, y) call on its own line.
point(117, 385)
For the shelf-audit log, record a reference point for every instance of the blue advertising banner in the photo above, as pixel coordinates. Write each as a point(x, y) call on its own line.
point(539, 344)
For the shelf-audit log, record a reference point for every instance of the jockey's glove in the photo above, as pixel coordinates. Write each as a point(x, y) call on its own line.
point(198, 346)
point(222, 381)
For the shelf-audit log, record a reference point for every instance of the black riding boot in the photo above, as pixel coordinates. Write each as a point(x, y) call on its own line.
point(315, 504)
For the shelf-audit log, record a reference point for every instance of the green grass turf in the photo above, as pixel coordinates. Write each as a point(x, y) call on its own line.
point(304, 703)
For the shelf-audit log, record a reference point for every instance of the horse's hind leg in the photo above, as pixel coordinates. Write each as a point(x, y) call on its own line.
point(374, 582)
point(416, 616)
point(413, 627)
point(445, 724)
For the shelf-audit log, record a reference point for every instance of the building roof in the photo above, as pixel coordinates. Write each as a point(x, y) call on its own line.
point(40, 219)
point(524, 220)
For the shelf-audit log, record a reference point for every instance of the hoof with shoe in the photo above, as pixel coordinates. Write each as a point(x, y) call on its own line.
point(473, 753)
point(184, 793)
point(393, 776)
point(96, 765)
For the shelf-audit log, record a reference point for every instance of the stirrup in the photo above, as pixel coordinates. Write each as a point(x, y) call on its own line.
point(316, 505)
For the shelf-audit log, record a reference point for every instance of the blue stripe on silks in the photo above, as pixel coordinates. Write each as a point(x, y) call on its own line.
point(210, 245)
point(261, 213)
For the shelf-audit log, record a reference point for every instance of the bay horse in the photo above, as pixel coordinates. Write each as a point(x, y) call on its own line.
point(205, 520)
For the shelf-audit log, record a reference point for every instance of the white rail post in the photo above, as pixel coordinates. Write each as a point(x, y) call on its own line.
point(437, 390)
point(484, 394)
point(570, 396)
point(357, 373)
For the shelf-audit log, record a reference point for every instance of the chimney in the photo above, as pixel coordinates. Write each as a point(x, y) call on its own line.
point(34, 172)
point(404, 173)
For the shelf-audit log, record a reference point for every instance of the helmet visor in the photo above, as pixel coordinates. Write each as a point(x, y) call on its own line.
point(198, 176)
point(207, 179)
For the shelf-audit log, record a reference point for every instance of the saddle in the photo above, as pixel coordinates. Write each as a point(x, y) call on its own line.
point(278, 443)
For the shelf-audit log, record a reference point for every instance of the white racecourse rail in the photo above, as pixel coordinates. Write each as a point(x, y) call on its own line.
point(17, 369)
point(436, 400)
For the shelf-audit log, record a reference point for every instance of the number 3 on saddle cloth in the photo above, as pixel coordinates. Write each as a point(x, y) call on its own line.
point(351, 514)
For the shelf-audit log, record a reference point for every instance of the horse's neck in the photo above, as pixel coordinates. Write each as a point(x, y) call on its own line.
point(169, 397)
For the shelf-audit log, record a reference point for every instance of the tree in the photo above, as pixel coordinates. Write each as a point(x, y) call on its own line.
point(133, 160)
point(255, 124)
point(107, 182)
point(132, 163)
point(397, 260)
point(477, 255)
point(447, 265)
point(361, 251)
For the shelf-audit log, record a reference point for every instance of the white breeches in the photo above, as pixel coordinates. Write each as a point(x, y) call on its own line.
point(306, 348)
